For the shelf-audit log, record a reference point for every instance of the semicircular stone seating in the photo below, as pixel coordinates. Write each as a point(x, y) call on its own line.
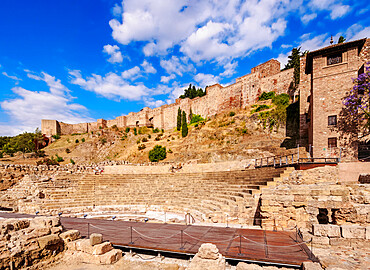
point(208, 197)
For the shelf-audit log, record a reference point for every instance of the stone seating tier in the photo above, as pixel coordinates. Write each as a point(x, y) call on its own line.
point(204, 195)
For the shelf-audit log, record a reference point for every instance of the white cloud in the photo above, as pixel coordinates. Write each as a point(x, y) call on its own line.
point(206, 43)
point(176, 91)
point(29, 107)
point(55, 85)
point(283, 59)
point(229, 69)
point(335, 7)
point(11, 76)
point(176, 65)
point(166, 79)
point(206, 79)
point(117, 10)
point(357, 31)
point(311, 44)
point(111, 86)
point(308, 17)
point(152, 103)
point(148, 68)
point(204, 30)
point(132, 73)
point(339, 11)
point(114, 53)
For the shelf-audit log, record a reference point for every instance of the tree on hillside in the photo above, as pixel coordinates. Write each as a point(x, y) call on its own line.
point(192, 92)
point(294, 62)
point(184, 127)
point(341, 40)
point(178, 119)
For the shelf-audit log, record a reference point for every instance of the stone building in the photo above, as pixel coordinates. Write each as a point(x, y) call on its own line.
point(325, 79)
point(265, 77)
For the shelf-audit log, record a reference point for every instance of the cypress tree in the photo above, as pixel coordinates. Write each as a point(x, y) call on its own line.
point(190, 114)
point(184, 126)
point(179, 119)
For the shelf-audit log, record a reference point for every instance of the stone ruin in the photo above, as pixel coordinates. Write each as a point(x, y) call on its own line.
point(39, 241)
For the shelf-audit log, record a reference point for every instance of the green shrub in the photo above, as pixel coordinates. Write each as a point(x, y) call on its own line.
point(47, 161)
point(260, 108)
point(149, 136)
point(158, 138)
point(169, 151)
point(100, 127)
point(57, 136)
point(266, 96)
point(156, 130)
point(103, 140)
point(68, 151)
point(141, 147)
point(196, 118)
point(231, 114)
point(68, 141)
point(59, 159)
point(282, 99)
point(114, 127)
point(83, 139)
point(144, 139)
point(72, 161)
point(138, 141)
point(157, 153)
point(127, 130)
point(135, 131)
point(77, 141)
point(1, 155)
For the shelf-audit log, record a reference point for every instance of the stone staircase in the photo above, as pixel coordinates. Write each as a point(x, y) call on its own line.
point(208, 197)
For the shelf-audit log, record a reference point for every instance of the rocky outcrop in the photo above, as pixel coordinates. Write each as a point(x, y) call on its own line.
point(24, 242)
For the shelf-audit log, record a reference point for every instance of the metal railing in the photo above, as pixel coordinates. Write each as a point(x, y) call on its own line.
point(293, 159)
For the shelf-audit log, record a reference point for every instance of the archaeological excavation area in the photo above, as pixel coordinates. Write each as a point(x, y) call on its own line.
point(248, 213)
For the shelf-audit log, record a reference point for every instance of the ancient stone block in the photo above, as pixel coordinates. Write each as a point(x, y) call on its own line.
point(111, 256)
point(208, 251)
point(341, 242)
point(367, 233)
point(353, 231)
point(326, 230)
point(248, 266)
point(70, 235)
point(96, 238)
point(71, 245)
point(311, 266)
point(318, 240)
point(48, 240)
point(56, 230)
point(38, 222)
point(84, 246)
point(102, 248)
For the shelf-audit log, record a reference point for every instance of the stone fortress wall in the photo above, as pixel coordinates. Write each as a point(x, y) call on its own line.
point(265, 77)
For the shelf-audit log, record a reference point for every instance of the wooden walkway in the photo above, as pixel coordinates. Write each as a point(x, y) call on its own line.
point(279, 247)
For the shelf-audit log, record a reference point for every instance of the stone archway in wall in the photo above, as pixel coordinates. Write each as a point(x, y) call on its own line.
point(151, 122)
point(137, 123)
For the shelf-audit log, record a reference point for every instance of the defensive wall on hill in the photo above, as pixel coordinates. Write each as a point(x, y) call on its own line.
point(265, 77)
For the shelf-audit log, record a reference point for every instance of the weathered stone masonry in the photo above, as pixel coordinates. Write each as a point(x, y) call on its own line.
point(265, 77)
point(325, 78)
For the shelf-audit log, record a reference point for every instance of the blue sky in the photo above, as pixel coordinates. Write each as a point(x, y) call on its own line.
point(78, 61)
